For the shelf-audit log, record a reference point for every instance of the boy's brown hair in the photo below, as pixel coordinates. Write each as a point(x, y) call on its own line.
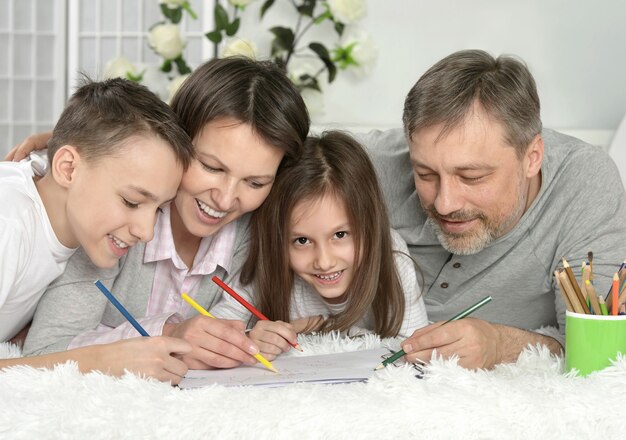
point(101, 116)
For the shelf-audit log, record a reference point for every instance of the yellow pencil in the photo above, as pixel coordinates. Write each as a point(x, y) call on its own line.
point(259, 357)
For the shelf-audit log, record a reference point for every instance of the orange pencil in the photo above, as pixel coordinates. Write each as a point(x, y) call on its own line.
point(246, 304)
point(614, 307)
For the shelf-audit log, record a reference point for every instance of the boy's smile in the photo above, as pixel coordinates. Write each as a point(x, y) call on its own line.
point(113, 201)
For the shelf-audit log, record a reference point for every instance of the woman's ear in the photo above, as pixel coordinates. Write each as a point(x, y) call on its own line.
point(64, 164)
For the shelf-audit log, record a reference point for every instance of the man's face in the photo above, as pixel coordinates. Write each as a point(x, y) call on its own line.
point(471, 183)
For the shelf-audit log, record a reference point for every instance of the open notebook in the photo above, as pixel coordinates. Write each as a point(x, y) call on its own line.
point(353, 366)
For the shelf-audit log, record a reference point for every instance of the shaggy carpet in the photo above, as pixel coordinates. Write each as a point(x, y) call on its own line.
point(530, 399)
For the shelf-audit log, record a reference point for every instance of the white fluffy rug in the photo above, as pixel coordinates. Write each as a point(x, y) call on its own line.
point(531, 399)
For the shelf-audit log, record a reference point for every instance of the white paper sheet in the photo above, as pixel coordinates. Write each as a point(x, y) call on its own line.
point(354, 366)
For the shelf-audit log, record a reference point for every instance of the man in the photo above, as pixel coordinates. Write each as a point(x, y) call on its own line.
point(496, 204)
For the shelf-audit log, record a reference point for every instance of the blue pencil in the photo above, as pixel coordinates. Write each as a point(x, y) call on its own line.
point(121, 308)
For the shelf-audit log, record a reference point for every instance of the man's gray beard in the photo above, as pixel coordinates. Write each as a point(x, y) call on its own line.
point(478, 241)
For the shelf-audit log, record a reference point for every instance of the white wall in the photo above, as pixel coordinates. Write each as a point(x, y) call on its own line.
point(576, 50)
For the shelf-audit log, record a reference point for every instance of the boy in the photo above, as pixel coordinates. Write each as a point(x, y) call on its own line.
point(116, 155)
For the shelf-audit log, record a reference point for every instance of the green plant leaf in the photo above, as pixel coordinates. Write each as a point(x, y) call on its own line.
point(343, 56)
point(268, 4)
point(307, 7)
point(221, 17)
point(214, 36)
point(233, 27)
point(191, 12)
point(321, 51)
point(283, 39)
point(135, 78)
point(309, 82)
point(320, 18)
point(166, 66)
point(339, 27)
point(173, 14)
point(182, 66)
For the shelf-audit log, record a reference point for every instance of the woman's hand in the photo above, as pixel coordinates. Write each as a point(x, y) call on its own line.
point(34, 142)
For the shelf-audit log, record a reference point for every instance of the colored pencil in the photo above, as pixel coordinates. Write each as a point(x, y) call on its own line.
point(569, 290)
point(575, 286)
point(202, 311)
point(397, 355)
point(614, 306)
point(246, 304)
point(559, 284)
point(121, 308)
point(593, 298)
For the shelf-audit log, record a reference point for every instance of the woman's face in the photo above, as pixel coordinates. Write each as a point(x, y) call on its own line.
point(232, 174)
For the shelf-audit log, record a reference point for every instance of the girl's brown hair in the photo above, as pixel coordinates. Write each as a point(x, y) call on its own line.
point(332, 164)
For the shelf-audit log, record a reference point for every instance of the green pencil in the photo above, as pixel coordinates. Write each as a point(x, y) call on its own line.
point(397, 355)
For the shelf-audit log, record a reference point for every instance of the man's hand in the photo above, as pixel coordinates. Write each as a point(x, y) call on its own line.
point(477, 343)
point(216, 343)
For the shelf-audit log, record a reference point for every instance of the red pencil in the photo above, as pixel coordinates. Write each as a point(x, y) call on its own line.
point(246, 304)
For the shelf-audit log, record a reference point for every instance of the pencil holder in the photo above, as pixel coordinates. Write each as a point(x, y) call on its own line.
point(592, 341)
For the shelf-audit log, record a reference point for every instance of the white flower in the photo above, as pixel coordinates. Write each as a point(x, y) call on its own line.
point(165, 40)
point(119, 67)
point(240, 3)
point(174, 85)
point(298, 67)
point(240, 47)
point(172, 4)
point(156, 80)
point(347, 11)
point(364, 52)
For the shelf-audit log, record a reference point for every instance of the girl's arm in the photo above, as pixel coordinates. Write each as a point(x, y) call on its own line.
point(152, 357)
point(414, 307)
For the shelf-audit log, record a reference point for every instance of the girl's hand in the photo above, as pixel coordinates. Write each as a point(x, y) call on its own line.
point(273, 337)
point(37, 141)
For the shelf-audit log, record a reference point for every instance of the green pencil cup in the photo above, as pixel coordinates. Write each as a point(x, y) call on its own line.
point(592, 341)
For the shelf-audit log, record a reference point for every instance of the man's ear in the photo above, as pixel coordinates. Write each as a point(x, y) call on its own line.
point(64, 164)
point(534, 156)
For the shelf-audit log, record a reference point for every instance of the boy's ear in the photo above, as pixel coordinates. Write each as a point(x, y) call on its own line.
point(64, 164)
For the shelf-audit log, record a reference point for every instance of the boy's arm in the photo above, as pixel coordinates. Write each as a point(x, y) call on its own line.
point(153, 357)
point(70, 306)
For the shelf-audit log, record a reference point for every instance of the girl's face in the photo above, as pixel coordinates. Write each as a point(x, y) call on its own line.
point(232, 174)
point(321, 246)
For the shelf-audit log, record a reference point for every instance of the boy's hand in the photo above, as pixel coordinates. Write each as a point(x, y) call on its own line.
point(154, 357)
point(37, 141)
point(216, 343)
point(273, 337)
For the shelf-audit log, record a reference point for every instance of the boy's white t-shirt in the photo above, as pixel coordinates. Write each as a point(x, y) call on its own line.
point(31, 256)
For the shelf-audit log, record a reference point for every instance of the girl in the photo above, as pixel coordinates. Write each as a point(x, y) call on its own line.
point(247, 121)
point(323, 256)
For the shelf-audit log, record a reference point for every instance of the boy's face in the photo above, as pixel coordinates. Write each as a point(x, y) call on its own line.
point(113, 201)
